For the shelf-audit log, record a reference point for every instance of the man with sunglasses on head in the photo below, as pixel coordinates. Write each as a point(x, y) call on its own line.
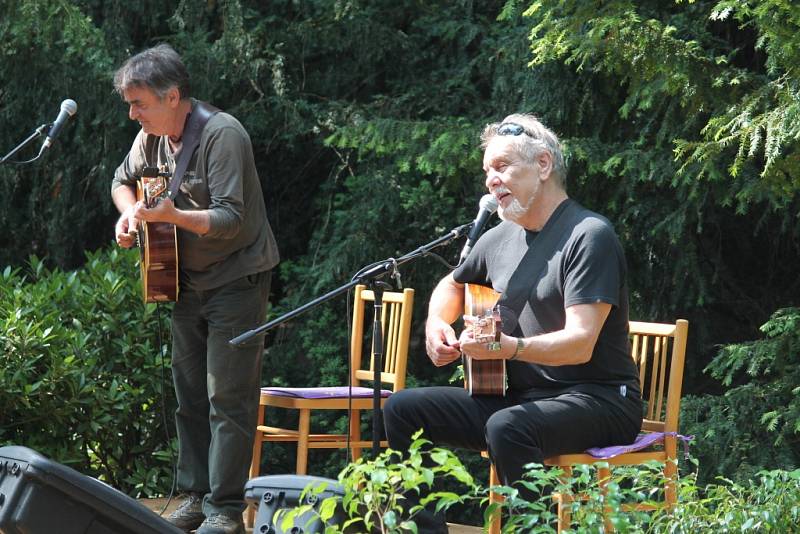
point(561, 273)
point(226, 251)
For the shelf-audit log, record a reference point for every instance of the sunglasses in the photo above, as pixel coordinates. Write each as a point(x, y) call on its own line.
point(512, 128)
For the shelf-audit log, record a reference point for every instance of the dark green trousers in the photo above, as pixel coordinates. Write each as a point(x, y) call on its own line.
point(217, 388)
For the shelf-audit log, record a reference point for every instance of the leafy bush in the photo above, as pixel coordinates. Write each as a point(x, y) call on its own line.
point(755, 424)
point(374, 490)
point(82, 379)
point(385, 494)
point(767, 504)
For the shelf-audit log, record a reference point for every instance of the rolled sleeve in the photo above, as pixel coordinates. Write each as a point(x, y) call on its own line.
point(226, 166)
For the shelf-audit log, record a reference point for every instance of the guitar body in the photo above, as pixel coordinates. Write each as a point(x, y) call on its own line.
point(482, 377)
point(158, 245)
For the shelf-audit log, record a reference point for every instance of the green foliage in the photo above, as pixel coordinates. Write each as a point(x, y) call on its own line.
point(687, 99)
point(536, 515)
point(377, 492)
point(52, 50)
point(766, 504)
point(82, 376)
point(755, 424)
point(679, 119)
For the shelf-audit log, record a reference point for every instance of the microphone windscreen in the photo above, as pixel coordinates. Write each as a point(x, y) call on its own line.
point(70, 106)
point(488, 203)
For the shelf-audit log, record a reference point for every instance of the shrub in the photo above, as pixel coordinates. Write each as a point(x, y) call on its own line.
point(385, 494)
point(755, 424)
point(374, 492)
point(82, 378)
point(769, 503)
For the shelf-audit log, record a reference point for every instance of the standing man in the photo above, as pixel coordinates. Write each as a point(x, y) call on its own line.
point(561, 272)
point(226, 251)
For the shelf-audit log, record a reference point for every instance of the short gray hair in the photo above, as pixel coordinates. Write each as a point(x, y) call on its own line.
point(159, 68)
point(537, 138)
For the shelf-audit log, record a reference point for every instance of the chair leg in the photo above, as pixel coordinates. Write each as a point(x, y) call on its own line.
point(304, 428)
point(255, 463)
point(565, 504)
point(671, 475)
point(258, 442)
point(495, 524)
point(603, 477)
point(355, 434)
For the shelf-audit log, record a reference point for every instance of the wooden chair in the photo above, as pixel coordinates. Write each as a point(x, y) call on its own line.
point(396, 328)
point(659, 351)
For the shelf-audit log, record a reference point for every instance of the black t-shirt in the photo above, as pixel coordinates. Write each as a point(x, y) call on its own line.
point(575, 259)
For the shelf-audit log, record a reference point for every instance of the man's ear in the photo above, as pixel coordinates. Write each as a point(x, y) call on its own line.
point(173, 97)
point(545, 162)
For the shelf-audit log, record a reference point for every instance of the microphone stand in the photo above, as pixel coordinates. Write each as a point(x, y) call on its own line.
point(38, 133)
point(367, 275)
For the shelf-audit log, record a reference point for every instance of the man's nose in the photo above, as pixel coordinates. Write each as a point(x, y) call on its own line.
point(492, 180)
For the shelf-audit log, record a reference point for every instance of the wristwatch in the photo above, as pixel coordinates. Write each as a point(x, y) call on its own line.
point(520, 344)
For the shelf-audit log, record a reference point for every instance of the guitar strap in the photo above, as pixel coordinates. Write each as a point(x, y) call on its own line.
point(198, 118)
point(514, 303)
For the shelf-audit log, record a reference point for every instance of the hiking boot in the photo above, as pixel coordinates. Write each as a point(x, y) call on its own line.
point(221, 524)
point(189, 515)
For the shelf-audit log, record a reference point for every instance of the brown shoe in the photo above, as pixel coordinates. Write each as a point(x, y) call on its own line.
point(221, 524)
point(189, 515)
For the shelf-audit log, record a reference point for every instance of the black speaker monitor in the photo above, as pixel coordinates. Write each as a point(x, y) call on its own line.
point(38, 495)
point(282, 492)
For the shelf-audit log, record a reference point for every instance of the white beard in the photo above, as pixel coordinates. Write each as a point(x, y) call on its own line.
point(515, 210)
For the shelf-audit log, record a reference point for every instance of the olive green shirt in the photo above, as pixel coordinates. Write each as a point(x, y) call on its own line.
point(221, 177)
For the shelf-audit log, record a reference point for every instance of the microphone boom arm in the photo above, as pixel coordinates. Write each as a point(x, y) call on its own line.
point(37, 133)
point(371, 272)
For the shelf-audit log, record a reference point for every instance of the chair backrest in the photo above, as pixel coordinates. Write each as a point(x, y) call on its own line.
point(659, 351)
point(396, 328)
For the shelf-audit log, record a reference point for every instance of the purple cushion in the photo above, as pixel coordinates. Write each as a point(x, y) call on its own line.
point(642, 441)
point(337, 392)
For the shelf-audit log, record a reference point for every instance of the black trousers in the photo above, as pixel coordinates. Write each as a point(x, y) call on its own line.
point(516, 429)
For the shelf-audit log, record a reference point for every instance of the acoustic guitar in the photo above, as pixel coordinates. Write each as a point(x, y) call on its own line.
point(158, 243)
point(484, 377)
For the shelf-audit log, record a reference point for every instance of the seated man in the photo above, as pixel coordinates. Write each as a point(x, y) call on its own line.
point(561, 273)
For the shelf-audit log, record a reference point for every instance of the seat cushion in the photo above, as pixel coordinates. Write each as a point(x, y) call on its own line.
point(643, 440)
point(334, 392)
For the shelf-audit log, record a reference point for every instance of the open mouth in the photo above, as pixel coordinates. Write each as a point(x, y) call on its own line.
point(502, 195)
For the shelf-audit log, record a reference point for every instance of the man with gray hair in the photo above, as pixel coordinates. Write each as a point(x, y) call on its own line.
point(561, 274)
point(226, 252)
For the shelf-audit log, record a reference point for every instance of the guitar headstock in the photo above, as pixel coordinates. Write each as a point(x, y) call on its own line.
point(155, 185)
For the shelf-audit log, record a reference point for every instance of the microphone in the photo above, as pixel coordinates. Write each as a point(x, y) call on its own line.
point(486, 207)
point(68, 109)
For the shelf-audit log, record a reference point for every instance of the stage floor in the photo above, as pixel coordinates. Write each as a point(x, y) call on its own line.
point(158, 504)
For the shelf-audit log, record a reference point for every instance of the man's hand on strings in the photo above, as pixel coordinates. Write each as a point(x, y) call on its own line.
point(441, 342)
point(126, 228)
